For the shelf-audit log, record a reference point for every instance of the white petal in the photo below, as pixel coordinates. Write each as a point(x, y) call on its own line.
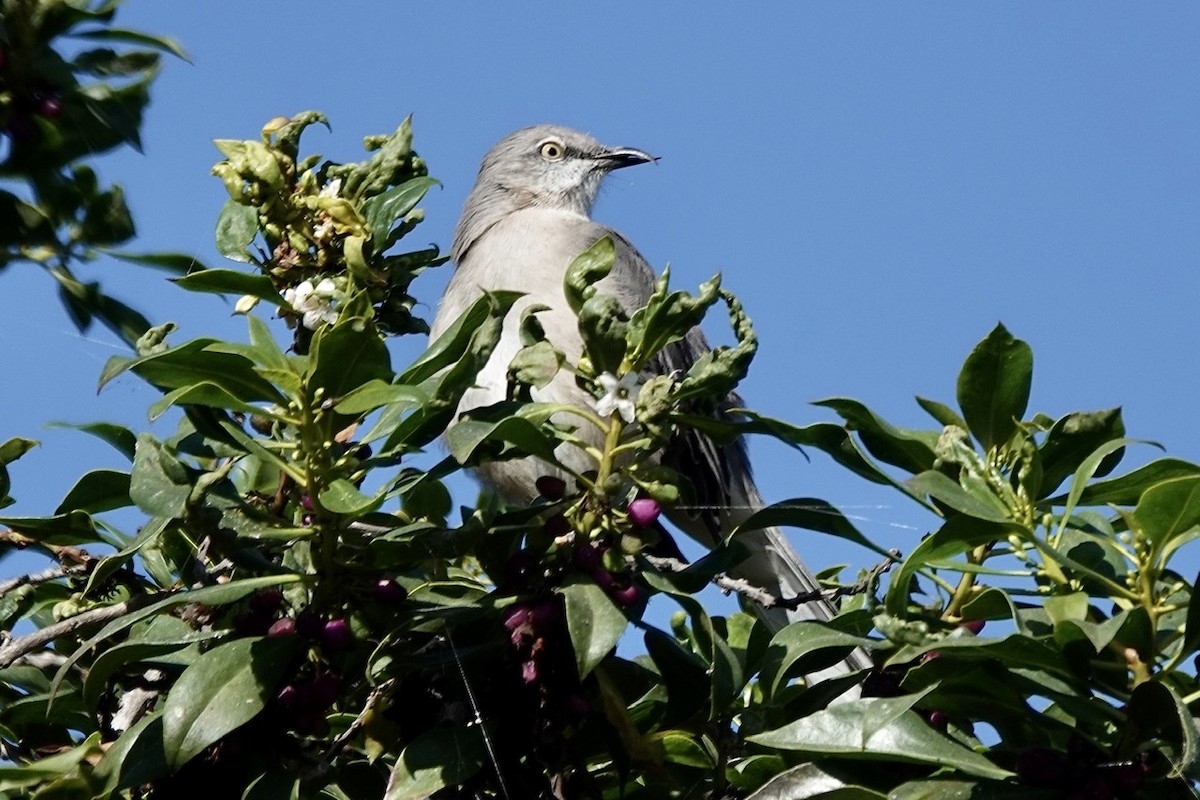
point(606, 405)
point(627, 410)
point(325, 288)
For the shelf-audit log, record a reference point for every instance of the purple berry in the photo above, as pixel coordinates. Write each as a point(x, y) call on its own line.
point(51, 107)
point(267, 601)
point(557, 526)
point(336, 635)
point(252, 623)
point(306, 502)
point(938, 720)
point(603, 578)
point(644, 511)
point(325, 689)
point(627, 595)
point(544, 613)
point(550, 487)
point(516, 616)
point(289, 697)
point(309, 623)
point(389, 592)
point(586, 557)
point(973, 625)
point(282, 627)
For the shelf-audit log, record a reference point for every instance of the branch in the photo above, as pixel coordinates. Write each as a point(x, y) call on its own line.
point(45, 576)
point(767, 600)
point(13, 649)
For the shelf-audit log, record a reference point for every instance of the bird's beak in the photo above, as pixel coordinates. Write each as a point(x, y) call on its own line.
point(618, 157)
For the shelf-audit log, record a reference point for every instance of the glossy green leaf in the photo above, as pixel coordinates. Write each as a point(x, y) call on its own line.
point(236, 228)
point(376, 393)
point(348, 356)
point(993, 386)
point(160, 485)
point(1127, 489)
point(678, 747)
point(869, 729)
point(811, 782)
point(98, 490)
point(14, 448)
point(941, 412)
point(958, 535)
point(222, 690)
point(231, 281)
point(342, 497)
point(383, 211)
point(176, 263)
point(163, 634)
point(1072, 439)
point(590, 266)
point(1156, 711)
point(120, 437)
point(980, 503)
point(811, 514)
point(434, 760)
point(594, 622)
point(911, 450)
point(1169, 509)
point(805, 647)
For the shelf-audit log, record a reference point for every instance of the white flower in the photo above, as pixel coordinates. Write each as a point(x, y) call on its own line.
point(332, 189)
point(313, 303)
point(619, 395)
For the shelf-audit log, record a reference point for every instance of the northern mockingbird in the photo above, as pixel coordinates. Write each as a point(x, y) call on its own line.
point(525, 221)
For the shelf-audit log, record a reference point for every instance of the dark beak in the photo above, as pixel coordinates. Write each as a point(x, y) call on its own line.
point(619, 157)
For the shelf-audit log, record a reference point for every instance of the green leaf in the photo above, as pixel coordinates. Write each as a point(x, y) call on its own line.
point(200, 361)
point(941, 412)
point(1157, 712)
point(118, 436)
point(231, 281)
point(348, 356)
point(383, 211)
point(810, 782)
point(1169, 509)
point(901, 447)
point(176, 263)
point(164, 634)
point(14, 448)
point(1127, 489)
point(376, 393)
point(678, 747)
point(494, 424)
point(109, 34)
point(594, 622)
point(870, 729)
point(236, 228)
point(341, 497)
point(1072, 439)
point(958, 535)
point(980, 504)
point(434, 760)
point(221, 691)
point(993, 386)
point(136, 758)
point(588, 267)
point(159, 485)
point(805, 647)
point(98, 490)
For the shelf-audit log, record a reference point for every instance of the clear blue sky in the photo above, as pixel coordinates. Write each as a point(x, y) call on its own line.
point(880, 183)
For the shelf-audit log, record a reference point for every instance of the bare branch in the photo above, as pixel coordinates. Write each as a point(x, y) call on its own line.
point(13, 649)
point(46, 575)
point(765, 599)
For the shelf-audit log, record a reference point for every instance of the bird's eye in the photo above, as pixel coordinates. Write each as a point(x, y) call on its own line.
point(552, 150)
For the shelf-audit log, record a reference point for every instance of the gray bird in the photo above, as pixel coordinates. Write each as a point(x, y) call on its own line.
point(525, 221)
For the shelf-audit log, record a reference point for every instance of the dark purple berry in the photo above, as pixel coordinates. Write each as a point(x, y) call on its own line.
point(586, 557)
point(550, 487)
point(557, 526)
point(267, 601)
point(282, 627)
point(938, 720)
point(363, 452)
point(51, 107)
point(577, 706)
point(603, 578)
point(544, 613)
point(644, 511)
point(306, 502)
point(309, 623)
point(389, 592)
point(516, 616)
point(627, 595)
point(336, 634)
point(252, 623)
point(325, 689)
point(973, 625)
point(289, 697)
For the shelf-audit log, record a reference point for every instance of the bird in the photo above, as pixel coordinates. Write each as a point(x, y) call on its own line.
point(526, 219)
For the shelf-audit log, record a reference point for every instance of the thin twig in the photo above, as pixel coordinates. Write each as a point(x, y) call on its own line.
point(13, 649)
point(45, 576)
point(765, 599)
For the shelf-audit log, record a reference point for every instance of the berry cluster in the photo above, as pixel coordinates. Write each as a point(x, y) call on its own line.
point(28, 103)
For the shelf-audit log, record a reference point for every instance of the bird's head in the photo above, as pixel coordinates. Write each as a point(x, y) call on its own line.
point(553, 166)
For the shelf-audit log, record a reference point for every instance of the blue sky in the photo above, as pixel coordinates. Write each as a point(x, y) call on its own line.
point(879, 183)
